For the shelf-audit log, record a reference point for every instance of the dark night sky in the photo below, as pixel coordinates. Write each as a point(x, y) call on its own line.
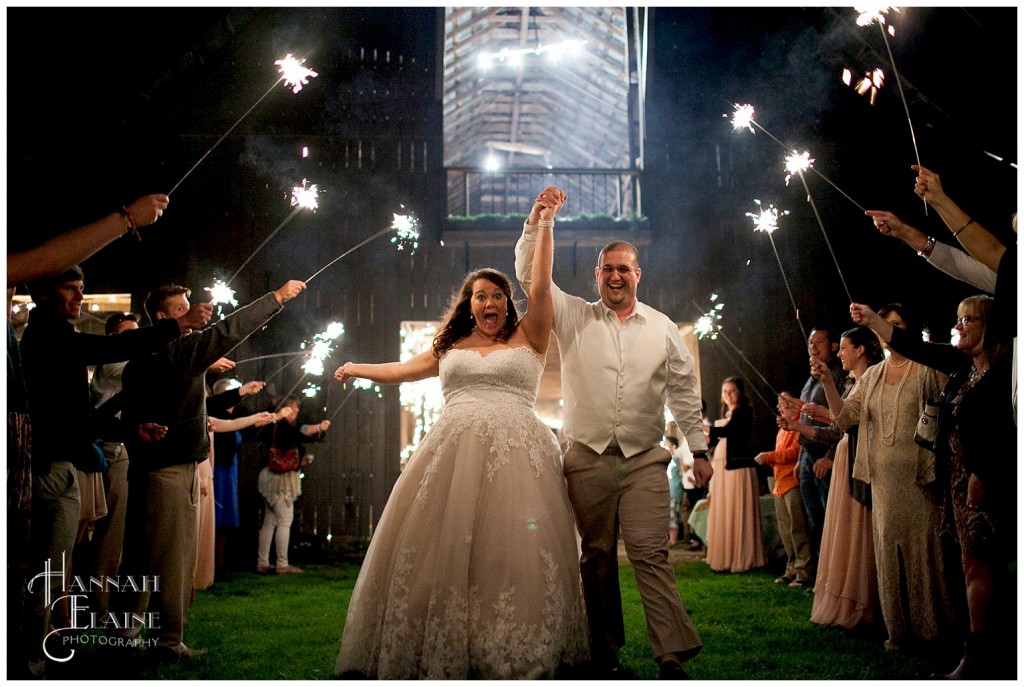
point(93, 119)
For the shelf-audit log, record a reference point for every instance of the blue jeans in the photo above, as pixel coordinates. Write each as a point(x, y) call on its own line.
point(815, 495)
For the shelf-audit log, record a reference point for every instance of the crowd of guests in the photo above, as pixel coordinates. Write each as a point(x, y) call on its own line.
point(113, 471)
point(894, 472)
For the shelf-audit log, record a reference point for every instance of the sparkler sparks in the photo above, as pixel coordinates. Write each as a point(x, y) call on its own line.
point(321, 348)
point(294, 75)
point(305, 197)
point(742, 117)
point(869, 14)
point(406, 231)
point(797, 163)
point(311, 390)
point(706, 325)
point(221, 293)
point(767, 220)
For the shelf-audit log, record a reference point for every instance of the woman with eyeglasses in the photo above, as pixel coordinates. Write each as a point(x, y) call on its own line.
point(976, 450)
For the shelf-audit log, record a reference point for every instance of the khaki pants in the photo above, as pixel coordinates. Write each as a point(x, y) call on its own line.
point(162, 540)
point(610, 493)
point(55, 511)
point(108, 532)
point(793, 529)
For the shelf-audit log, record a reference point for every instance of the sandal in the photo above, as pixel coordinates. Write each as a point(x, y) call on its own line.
point(796, 584)
point(291, 569)
point(783, 579)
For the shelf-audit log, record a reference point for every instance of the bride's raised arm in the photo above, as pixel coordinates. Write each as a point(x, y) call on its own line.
point(537, 321)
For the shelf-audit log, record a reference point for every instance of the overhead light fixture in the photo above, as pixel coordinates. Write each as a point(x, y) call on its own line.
point(571, 47)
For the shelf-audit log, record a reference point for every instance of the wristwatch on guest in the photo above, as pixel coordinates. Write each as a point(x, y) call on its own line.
point(700, 454)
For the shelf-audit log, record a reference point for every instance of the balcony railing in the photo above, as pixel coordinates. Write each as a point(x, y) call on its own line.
point(612, 193)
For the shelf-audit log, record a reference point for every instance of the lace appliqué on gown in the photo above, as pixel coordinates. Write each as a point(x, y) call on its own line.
point(473, 569)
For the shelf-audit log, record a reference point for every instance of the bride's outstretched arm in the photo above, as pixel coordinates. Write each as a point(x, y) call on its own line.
point(419, 367)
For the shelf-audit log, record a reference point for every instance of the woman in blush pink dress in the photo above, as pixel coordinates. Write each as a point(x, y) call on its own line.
point(734, 518)
point(846, 589)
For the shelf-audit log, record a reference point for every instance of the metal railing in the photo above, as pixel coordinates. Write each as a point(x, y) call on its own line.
point(608, 192)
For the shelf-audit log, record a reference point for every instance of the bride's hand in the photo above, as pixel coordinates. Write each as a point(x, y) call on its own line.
point(548, 203)
point(343, 373)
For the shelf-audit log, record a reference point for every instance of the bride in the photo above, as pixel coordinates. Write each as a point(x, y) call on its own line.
point(472, 571)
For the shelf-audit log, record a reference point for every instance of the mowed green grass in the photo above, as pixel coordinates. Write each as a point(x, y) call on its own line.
point(288, 627)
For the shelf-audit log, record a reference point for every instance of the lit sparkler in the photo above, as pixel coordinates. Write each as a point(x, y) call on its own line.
point(321, 348)
point(706, 325)
point(709, 323)
point(797, 163)
point(869, 14)
point(406, 231)
point(311, 390)
point(871, 82)
point(406, 228)
point(742, 117)
point(767, 220)
point(303, 198)
point(220, 295)
point(294, 75)
point(866, 16)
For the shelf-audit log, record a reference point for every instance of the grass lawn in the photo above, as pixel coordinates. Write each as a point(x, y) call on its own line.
point(288, 627)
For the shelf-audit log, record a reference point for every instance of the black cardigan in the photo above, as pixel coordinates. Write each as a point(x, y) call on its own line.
point(738, 431)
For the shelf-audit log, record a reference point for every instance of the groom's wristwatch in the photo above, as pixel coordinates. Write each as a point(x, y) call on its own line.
point(700, 454)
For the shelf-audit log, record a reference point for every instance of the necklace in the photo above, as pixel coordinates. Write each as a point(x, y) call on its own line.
point(975, 374)
point(889, 437)
point(894, 365)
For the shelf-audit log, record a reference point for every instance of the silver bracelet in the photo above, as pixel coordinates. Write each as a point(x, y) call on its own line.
point(926, 252)
point(550, 223)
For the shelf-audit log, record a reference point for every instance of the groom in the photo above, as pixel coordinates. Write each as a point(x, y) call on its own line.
point(622, 361)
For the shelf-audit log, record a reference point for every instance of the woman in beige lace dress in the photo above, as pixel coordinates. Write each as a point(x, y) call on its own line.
point(916, 599)
point(472, 571)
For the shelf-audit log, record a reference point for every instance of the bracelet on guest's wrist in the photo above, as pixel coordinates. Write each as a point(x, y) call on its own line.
point(129, 221)
point(550, 223)
point(926, 252)
point(965, 225)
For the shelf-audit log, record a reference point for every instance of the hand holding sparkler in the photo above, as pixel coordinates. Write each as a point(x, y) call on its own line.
point(150, 432)
point(345, 372)
point(220, 366)
point(250, 388)
point(889, 224)
point(197, 317)
point(866, 317)
point(928, 185)
point(145, 211)
point(290, 290)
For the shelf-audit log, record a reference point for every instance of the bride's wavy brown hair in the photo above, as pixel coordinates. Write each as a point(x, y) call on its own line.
point(458, 322)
